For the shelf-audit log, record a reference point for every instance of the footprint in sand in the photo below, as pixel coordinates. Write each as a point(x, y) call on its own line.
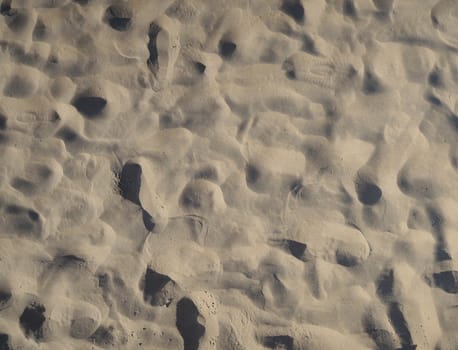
point(334, 73)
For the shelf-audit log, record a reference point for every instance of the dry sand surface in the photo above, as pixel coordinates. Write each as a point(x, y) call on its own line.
point(229, 174)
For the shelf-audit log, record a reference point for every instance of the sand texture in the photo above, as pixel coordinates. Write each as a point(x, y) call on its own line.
point(229, 174)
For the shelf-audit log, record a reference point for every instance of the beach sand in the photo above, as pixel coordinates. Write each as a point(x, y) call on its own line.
point(240, 174)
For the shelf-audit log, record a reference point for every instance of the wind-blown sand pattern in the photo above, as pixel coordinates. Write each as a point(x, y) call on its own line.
point(244, 174)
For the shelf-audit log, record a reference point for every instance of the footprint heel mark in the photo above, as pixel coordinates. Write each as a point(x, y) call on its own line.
point(187, 324)
point(32, 320)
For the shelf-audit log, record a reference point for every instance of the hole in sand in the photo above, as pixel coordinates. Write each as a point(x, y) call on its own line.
point(154, 286)
point(90, 106)
point(4, 341)
point(227, 48)
point(297, 249)
point(400, 324)
point(67, 134)
point(447, 281)
point(130, 181)
point(252, 174)
point(19, 87)
point(17, 20)
point(5, 8)
point(103, 336)
point(5, 298)
point(294, 9)
point(433, 100)
point(283, 342)
point(40, 31)
point(371, 84)
point(349, 8)
point(309, 44)
point(368, 193)
point(32, 320)
point(3, 122)
point(148, 220)
point(118, 17)
point(434, 78)
point(188, 326)
point(152, 61)
point(23, 185)
point(200, 67)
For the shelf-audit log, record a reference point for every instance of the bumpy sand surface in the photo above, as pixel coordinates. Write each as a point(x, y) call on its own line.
point(229, 174)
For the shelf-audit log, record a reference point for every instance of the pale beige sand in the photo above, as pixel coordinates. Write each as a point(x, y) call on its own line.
point(240, 174)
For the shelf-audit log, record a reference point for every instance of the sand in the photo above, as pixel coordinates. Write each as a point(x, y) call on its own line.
point(243, 174)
